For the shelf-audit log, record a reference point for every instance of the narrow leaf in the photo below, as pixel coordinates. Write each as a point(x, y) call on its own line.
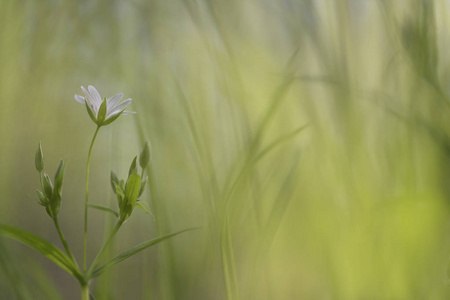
point(104, 208)
point(42, 246)
point(134, 250)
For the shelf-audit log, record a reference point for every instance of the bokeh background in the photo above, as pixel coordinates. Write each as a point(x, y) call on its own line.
point(309, 139)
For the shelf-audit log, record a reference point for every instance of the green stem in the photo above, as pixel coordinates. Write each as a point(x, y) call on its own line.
point(85, 291)
point(40, 178)
point(105, 245)
point(63, 240)
point(86, 202)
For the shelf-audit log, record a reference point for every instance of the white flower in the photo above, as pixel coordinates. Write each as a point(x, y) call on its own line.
point(103, 112)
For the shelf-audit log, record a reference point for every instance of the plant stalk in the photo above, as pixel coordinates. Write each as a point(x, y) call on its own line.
point(63, 240)
point(86, 202)
point(105, 245)
point(85, 291)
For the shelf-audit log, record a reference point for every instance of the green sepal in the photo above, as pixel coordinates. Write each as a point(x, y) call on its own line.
point(48, 187)
point(43, 200)
point(133, 167)
point(112, 119)
point(90, 112)
point(39, 159)
point(101, 113)
point(114, 181)
point(144, 157)
point(59, 176)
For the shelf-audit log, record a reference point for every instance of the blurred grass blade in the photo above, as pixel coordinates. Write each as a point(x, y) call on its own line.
point(105, 208)
point(135, 250)
point(277, 142)
point(42, 246)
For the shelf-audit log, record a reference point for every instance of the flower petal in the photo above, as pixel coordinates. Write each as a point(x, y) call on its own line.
point(111, 102)
point(88, 96)
point(79, 99)
point(119, 107)
point(95, 96)
point(128, 112)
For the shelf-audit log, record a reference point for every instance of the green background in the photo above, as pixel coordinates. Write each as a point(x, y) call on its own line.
point(352, 206)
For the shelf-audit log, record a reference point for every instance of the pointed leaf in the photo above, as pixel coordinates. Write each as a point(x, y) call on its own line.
point(105, 208)
point(42, 246)
point(135, 250)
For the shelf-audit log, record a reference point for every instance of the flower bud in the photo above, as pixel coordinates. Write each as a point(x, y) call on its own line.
point(39, 159)
point(59, 178)
point(43, 200)
point(114, 181)
point(48, 187)
point(144, 158)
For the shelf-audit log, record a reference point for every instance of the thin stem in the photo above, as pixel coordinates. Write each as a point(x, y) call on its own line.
point(40, 179)
point(63, 239)
point(105, 245)
point(85, 291)
point(86, 201)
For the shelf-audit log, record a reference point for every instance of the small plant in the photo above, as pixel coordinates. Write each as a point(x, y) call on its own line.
point(128, 192)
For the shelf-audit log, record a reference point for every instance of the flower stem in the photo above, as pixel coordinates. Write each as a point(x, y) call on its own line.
point(105, 245)
point(86, 201)
point(85, 291)
point(63, 240)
